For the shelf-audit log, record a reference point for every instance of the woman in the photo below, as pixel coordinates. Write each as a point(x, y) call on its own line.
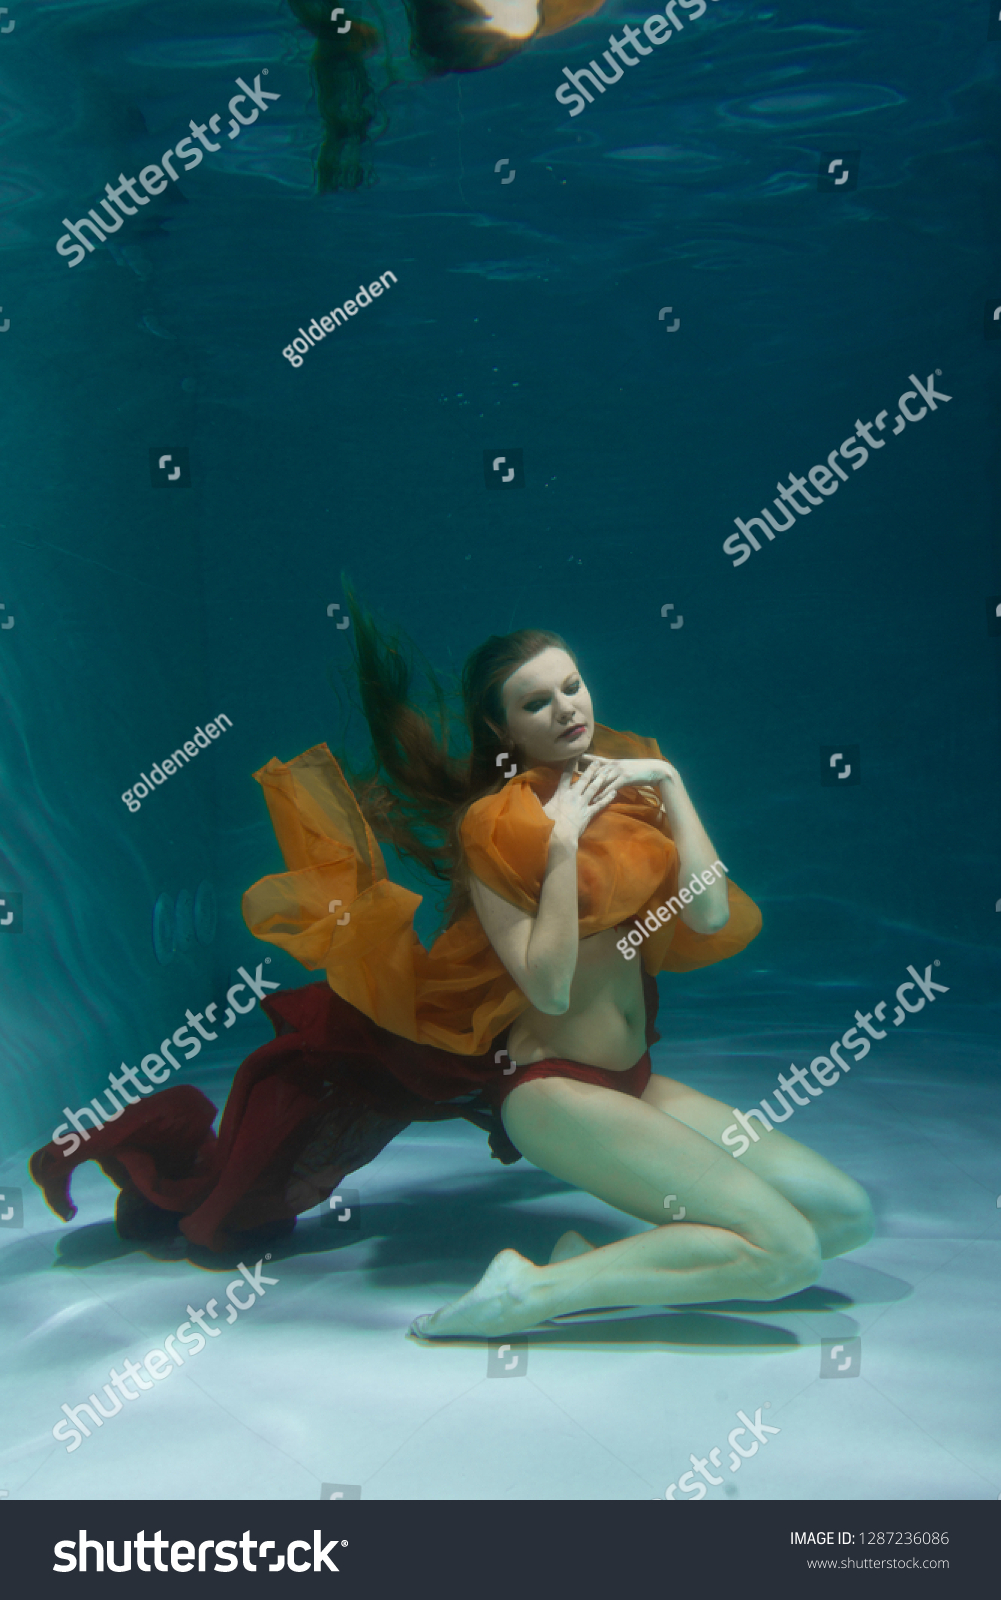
point(525, 1016)
point(757, 1229)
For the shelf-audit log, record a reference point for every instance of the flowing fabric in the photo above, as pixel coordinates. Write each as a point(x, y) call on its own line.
point(322, 1099)
point(318, 1102)
point(555, 15)
point(458, 995)
point(396, 1034)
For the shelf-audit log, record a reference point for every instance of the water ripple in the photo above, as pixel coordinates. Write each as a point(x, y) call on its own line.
point(811, 104)
point(688, 163)
point(506, 271)
point(188, 53)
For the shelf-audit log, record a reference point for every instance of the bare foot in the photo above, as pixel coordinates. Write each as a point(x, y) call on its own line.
point(502, 1302)
point(568, 1245)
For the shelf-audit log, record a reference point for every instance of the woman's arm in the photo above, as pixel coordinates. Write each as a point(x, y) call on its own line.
point(540, 951)
point(709, 911)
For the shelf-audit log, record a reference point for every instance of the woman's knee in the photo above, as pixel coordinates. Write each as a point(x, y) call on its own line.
point(835, 1205)
point(790, 1260)
point(848, 1219)
point(838, 1208)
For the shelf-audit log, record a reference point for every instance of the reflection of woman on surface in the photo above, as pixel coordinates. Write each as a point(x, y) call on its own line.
point(445, 36)
point(546, 864)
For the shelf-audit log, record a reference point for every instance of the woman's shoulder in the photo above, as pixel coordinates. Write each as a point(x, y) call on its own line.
point(505, 838)
point(517, 806)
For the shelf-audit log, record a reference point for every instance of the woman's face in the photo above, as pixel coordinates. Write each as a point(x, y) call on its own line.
point(548, 710)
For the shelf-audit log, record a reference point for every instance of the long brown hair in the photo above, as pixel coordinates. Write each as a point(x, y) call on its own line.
point(417, 795)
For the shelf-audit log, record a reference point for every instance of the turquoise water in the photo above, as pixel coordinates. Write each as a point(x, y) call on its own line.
point(526, 316)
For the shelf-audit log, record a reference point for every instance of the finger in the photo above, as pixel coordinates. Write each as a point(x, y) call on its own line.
point(595, 811)
point(594, 764)
point(600, 802)
point(597, 775)
point(610, 776)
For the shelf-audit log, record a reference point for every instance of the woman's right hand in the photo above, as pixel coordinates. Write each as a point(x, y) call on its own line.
point(575, 803)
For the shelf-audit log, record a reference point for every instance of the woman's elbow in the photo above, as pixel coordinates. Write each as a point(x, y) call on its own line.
point(551, 1005)
point(709, 921)
point(545, 983)
point(544, 998)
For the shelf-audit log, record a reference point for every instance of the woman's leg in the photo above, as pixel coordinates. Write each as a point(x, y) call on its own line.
point(835, 1205)
point(741, 1239)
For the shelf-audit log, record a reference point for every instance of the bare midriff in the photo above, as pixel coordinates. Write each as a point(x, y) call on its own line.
point(606, 1023)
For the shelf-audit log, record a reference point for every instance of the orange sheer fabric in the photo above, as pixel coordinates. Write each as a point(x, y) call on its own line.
point(458, 995)
point(555, 15)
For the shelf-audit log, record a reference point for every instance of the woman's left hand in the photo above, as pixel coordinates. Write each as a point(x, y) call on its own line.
point(620, 774)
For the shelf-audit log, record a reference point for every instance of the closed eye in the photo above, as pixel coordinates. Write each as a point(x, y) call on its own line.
point(537, 705)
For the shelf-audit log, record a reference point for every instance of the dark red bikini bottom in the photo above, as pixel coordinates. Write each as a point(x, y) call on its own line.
point(632, 1082)
point(319, 1101)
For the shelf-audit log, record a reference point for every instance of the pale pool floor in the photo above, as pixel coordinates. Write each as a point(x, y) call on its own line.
point(316, 1384)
